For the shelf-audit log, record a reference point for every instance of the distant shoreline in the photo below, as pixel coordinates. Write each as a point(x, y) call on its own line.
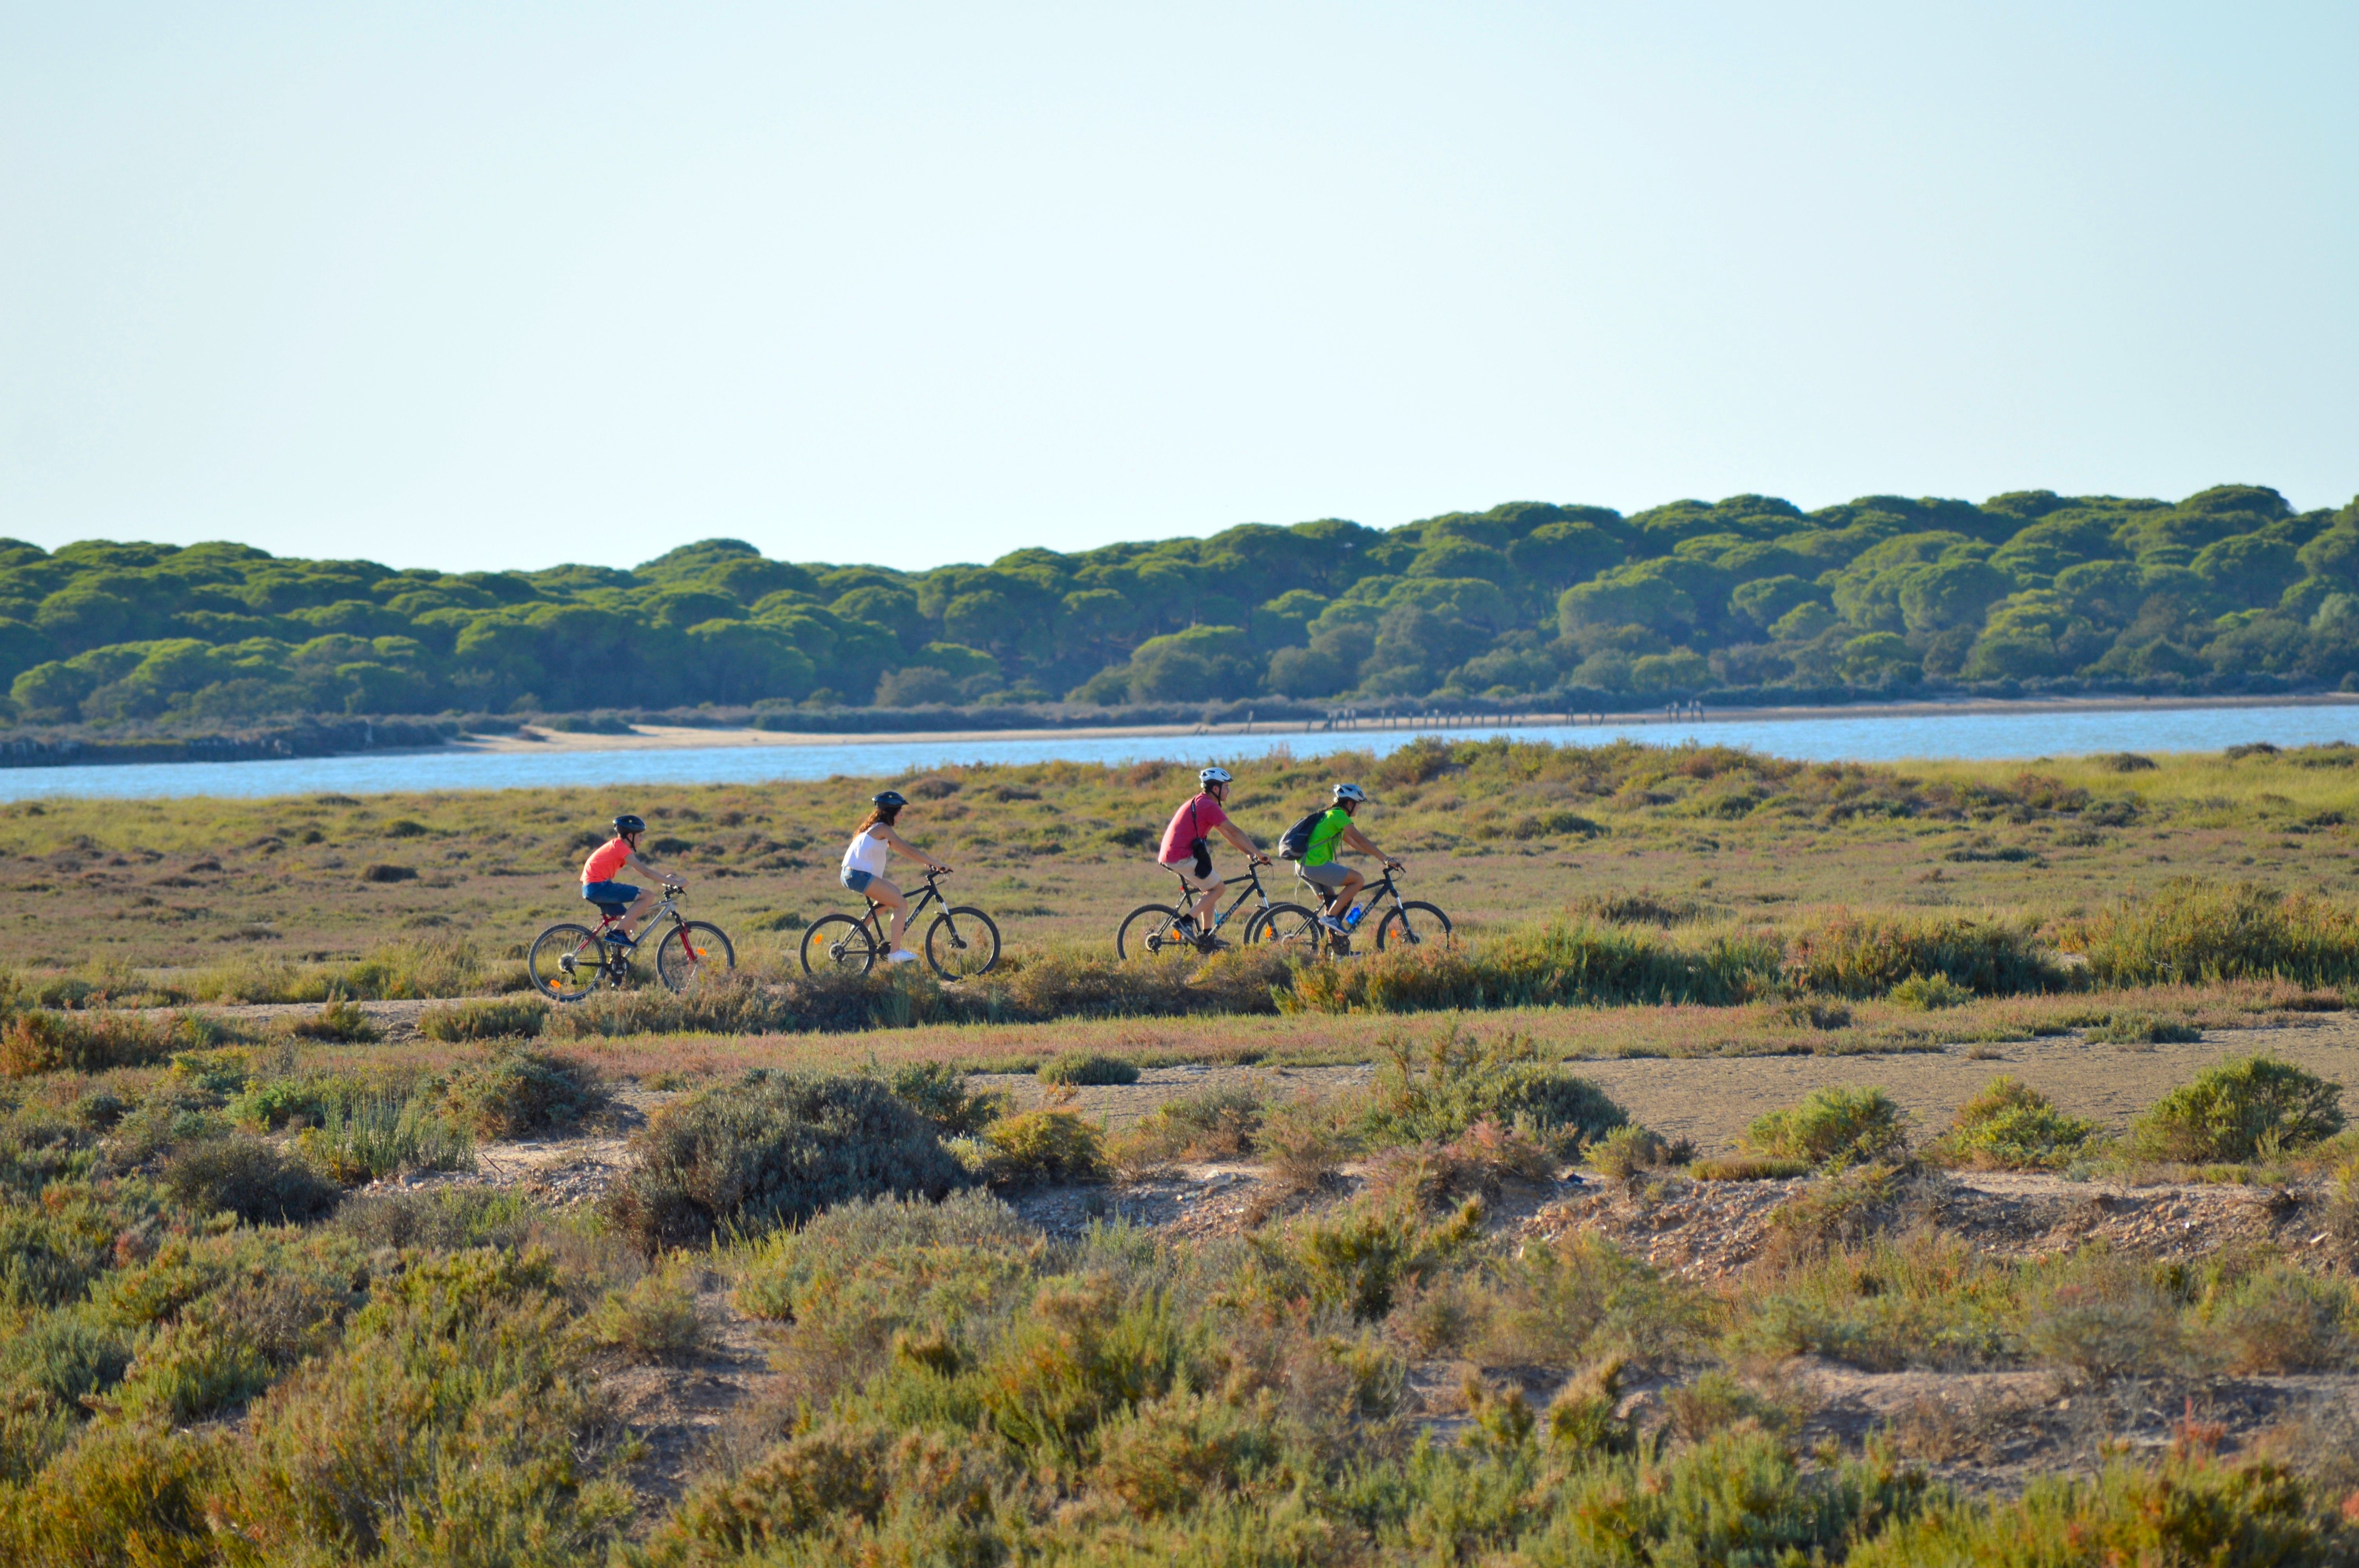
point(681, 737)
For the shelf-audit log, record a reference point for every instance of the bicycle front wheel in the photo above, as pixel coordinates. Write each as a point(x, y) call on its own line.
point(1413, 925)
point(1288, 926)
point(962, 943)
point(693, 950)
point(566, 963)
point(837, 945)
point(1145, 932)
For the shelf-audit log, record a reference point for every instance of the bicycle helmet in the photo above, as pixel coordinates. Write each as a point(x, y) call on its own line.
point(1214, 776)
point(891, 800)
point(1351, 792)
point(627, 823)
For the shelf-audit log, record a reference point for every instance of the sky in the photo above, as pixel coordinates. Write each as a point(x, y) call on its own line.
point(491, 285)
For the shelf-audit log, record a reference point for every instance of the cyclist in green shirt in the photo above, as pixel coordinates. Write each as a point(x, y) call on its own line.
point(1337, 883)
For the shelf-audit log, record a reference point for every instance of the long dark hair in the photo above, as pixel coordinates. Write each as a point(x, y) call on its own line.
point(877, 814)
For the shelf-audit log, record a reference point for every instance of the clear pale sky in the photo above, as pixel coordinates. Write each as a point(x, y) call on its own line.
point(488, 286)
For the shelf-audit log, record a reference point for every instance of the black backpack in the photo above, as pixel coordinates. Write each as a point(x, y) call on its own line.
point(1297, 841)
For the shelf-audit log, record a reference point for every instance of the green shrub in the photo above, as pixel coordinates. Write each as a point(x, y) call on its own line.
point(523, 1094)
point(652, 1319)
point(341, 1021)
point(938, 1091)
point(2108, 1318)
point(774, 1149)
point(440, 1219)
point(367, 1137)
point(1570, 1302)
point(122, 1496)
point(2253, 1108)
point(454, 1422)
point(1360, 1257)
point(886, 1257)
point(1930, 993)
point(1564, 965)
point(1209, 1124)
point(1048, 1145)
point(1626, 1151)
point(63, 1355)
point(39, 1042)
point(2192, 932)
point(2279, 1319)
point(2186, 1510)
point(2011, 1127)
point(1087, 1069)
point(1433, 1096)
point(1855, 955)
point(488, 1018)
point(1831, 1126)
point(260, 1183)
point(2143, 1028)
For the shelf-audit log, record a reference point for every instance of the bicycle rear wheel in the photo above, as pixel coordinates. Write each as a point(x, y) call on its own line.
point(1413, 925)
point(1147, 933)
point(837, 945)
point(962, 943)
point(693, 950)
point(1288, 926)
point(566, 963)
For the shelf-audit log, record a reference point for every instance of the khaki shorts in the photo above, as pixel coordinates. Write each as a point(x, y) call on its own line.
point(1195, 883)
point(1333, 874)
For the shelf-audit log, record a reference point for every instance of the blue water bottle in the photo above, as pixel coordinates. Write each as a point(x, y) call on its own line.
point(1353, 918)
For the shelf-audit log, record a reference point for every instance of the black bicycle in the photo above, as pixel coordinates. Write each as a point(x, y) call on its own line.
point(961, 943)
point(1410, 922)
point(1161, 931)
point(568, 962)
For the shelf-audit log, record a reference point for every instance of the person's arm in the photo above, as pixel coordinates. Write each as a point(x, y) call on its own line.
point(1362, 842)
point(911, 851)
point(1229, 831)
point(647, 866)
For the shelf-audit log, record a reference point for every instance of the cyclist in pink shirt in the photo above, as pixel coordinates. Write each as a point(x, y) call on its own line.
point(1188, 849)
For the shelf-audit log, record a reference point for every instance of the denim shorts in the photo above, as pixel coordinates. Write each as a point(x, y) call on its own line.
point(858, 880)
point(609, 893)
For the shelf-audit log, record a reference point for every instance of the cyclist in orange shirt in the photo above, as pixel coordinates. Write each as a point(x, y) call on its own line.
point(598, 872)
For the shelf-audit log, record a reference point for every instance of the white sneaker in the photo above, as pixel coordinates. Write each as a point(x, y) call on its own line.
point(900, 956)
point(1337, 926)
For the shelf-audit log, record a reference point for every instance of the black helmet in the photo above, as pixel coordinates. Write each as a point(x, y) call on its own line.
point(891, 800)
point(627, 823)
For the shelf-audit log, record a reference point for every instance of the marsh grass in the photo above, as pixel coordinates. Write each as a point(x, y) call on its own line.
point(368, 1136)
point(2191, 931)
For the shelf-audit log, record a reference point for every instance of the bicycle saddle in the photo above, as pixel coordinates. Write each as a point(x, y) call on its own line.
point(611, 911)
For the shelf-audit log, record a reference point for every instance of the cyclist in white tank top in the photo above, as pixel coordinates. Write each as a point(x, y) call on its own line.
point(864, 866)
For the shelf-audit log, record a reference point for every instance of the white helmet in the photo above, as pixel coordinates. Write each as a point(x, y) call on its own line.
point(1212, 775)
point(1351, 792)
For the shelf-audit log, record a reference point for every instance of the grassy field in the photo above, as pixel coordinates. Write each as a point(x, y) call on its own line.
point(1501, 835)
point(275, 1290)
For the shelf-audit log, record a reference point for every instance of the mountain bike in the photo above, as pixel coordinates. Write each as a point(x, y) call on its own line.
point(1408, 923)
point(962, 943)
point(568, 962)
point(1161, 931)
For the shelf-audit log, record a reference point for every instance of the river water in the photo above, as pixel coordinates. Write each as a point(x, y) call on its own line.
point(1863, 736)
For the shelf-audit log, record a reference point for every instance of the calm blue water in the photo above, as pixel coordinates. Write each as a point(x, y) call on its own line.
point(1866, 736)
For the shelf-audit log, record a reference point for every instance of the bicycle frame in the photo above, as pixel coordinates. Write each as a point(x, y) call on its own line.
point(1188, 896)
point(1370, 893)
point(877, 925)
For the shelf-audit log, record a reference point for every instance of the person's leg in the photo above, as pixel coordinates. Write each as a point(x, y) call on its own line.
point(883, 893)
point(1209, 906)
point(638, 910)
point(1352, 882)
